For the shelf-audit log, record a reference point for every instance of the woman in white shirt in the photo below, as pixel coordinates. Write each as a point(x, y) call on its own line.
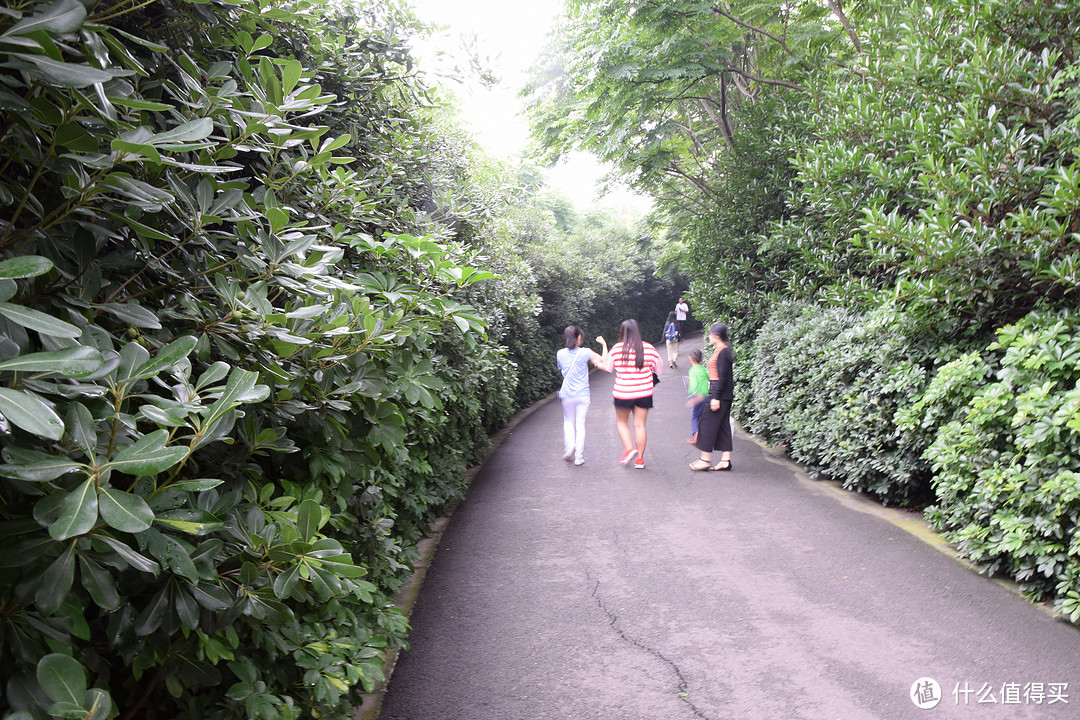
point(573, 363)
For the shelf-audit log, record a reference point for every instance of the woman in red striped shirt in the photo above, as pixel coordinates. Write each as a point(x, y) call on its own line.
point(633, 361)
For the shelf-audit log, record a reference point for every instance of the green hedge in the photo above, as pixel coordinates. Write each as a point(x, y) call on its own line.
point(990, 439)
point(236, 379)
point(1005, 455)
point(829, 383)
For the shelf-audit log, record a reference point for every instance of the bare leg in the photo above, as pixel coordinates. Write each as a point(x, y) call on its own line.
point(639, 429)
point(622, 424)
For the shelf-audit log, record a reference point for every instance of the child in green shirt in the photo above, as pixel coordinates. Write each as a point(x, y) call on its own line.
point(698, 387)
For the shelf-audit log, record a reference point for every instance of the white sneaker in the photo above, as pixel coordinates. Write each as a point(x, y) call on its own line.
point(579, 461)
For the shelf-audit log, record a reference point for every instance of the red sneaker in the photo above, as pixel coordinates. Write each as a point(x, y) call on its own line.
point(639, 464)
point(627, 456)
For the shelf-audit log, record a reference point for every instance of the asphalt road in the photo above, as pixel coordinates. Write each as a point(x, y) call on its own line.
point(564, 593)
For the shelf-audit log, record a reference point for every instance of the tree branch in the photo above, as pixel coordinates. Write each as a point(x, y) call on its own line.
point(718, 9)
point(834, 5)
point(766, 81)
point(673, 169)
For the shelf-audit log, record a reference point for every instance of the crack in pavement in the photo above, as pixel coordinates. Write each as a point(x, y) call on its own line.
point(684, 686)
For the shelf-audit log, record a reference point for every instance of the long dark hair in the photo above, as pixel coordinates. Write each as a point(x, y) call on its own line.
point(720, 330)
point(630, 336)
point(571, 335)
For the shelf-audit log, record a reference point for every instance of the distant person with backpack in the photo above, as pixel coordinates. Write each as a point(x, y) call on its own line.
point(682, 310)
point(672, 334)
point(573, 361)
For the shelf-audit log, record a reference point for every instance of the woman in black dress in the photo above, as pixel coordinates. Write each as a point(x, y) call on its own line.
point(715, 432)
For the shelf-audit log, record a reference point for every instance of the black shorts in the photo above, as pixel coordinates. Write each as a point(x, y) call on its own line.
point(643, 402)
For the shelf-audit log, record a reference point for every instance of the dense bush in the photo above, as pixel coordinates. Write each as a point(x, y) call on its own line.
point(829, 384)
point(236, 382)
point(1008, 492)
point(943, 175)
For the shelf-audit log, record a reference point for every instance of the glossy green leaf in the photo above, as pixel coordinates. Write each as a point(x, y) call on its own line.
point(132, 314)
point(172, 554)
point(97, 705)
point(212, 374)
point(192, 522)
point(326, 583)
point(291, 73)
point(56, 583)
point(71, 362)
point(137, 104)
point(99, 583)
point(211, 597)
point(34, 465)
point(124, 511)
point(148, 456)
point(132, 356)
point(170, 416)
point(80, 425)
point(38, 321)
point(340, 565)
point(136, 150)
point(285, 583)
point(66, 710)
point(65, 16)
point(78, 512)
point(196, 485)
point(131, 557)
point(62, 678)
point(308, 519)
point(197, 129)
point(74, 138)
point(241, 388)
point(135, 39)
point(67, 74)
point(31, 414)
point(187, 610)
point(25, 266)
point(166, 357)
point(151, 617)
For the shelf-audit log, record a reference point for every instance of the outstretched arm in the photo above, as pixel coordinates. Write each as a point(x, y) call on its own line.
point(603, 360)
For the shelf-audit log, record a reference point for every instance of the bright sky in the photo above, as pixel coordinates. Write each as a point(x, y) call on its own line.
point(511, 34)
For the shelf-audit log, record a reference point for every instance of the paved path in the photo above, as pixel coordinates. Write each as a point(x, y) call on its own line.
point(565, 593)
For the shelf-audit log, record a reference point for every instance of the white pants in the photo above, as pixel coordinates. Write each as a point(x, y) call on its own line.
point(573, 425)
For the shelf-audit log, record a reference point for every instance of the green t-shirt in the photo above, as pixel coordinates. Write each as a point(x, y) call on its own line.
point(699, 380)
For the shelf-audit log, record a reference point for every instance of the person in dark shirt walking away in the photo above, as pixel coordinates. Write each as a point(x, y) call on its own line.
point(715, 429)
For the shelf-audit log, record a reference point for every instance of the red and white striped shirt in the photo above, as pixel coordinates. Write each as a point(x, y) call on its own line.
point(632, 382)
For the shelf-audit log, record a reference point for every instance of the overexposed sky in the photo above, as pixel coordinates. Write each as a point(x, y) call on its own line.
point(510, 35)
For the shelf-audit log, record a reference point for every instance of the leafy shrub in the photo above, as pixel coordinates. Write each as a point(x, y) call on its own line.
point(1008, 493)
point(830, 384)
point(235, 384)
point(943, 177)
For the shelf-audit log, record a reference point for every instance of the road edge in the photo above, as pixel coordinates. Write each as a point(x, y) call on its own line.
point(371, 703)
